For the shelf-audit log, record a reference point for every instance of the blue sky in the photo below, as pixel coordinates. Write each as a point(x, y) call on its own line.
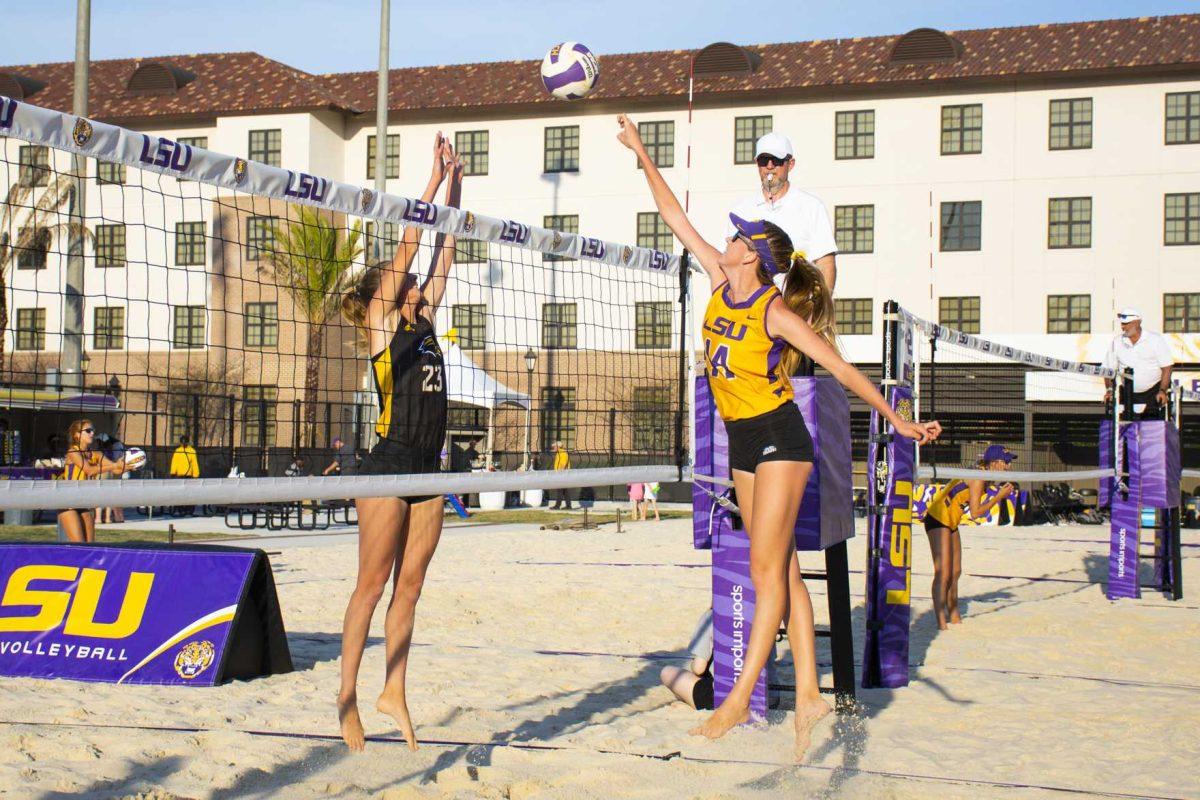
point(342, 35)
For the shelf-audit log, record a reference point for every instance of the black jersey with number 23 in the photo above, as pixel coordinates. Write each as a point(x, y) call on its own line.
point(410, 381)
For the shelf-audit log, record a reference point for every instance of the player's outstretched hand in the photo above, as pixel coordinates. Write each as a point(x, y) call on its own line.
point(922, 432)
point(628, 133)
point(440, 143)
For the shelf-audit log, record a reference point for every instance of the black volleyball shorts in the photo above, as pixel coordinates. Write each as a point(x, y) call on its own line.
point(778, 435)
point(388, 457)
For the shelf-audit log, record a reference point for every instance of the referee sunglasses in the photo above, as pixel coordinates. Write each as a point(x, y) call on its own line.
point(769, 160)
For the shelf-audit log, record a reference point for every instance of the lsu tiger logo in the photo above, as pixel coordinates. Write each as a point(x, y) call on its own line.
point(82, 133)
point(239, 170)
point(193, 658)
point(626, 254)
point(556, 242)
point(468, 222)
point(905, 409)
point(365, 198)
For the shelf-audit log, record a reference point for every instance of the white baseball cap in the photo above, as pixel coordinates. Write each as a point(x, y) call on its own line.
point(1128, 315)
point(774, 144)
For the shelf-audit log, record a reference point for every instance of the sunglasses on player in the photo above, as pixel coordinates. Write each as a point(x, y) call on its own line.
point(88, 430)
point(768, 160)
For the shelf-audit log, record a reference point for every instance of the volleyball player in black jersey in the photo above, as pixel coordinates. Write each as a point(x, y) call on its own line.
point(394, 312)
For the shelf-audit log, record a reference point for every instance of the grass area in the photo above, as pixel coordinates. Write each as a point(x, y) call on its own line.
point(541, 515)
point(49, 533)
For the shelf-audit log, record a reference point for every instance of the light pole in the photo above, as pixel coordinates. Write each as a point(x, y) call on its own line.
point(530, 364)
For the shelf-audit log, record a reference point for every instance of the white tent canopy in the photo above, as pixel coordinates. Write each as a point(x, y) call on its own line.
point(467, 383)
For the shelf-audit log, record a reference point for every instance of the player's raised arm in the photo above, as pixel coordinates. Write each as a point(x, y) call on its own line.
point(668, 204)
point(443, 254)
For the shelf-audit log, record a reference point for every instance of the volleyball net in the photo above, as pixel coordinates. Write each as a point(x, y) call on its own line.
point(166, 292)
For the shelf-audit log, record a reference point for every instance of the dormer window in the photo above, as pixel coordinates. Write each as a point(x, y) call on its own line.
point(153, 77)
point(926, 46)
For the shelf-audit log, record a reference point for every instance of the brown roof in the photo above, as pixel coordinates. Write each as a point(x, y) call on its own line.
point(245, 83)
point(225, 84)
point(1147, 43)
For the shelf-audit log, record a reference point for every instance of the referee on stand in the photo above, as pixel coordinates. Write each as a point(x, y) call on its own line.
point(1147, 354)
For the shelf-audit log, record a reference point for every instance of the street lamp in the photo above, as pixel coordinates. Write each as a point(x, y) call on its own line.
point(530, 363)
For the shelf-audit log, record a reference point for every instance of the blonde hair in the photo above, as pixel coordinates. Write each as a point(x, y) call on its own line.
point(804, 292)
point(356, 298)
point(74, 430)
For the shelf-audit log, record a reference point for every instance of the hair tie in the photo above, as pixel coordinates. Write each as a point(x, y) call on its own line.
point(799, 254)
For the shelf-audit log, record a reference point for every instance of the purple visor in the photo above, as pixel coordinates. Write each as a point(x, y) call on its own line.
point(756, 232)
point(998, 452)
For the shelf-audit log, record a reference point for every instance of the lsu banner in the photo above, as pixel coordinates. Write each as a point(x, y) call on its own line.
point(889, 570)
point(138, 614)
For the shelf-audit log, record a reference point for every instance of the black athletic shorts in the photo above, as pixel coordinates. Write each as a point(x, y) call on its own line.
point(392, 458)
point(778, 435)
point(932, 525)
point(702, 692)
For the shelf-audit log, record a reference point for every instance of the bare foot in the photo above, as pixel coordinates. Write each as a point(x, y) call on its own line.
point(721, 721)
point(955, 618)
point(352, 729)
point(394, 706)
point(808, 714)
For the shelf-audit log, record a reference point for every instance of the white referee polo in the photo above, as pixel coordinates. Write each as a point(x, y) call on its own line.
point(1146, 359)
point(801, 215)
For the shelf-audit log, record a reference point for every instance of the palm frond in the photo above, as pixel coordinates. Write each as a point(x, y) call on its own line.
point(311, 260)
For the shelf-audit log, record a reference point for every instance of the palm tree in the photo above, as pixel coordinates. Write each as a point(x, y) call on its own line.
point(310, 259)
point(36, 222)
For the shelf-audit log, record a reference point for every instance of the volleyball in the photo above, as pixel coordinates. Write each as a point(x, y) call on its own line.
point(570, 71)
point(135, 458)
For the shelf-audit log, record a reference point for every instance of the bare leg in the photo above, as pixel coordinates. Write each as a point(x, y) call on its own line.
point(810, 706)
point(418, 541)
point(379, 523)
point(72, 525)
point(955, 573)
point(89, 526)
point(939, 547)
point(776, 488)
point(680, 681)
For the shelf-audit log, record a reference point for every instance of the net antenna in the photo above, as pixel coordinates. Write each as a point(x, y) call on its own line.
point(198, 272)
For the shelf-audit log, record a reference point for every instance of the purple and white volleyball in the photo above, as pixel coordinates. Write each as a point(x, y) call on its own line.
point(570, 71)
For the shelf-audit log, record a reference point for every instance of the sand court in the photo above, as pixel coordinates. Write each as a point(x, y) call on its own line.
point(535, 667)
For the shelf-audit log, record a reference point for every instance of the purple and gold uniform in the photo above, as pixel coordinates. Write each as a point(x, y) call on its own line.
point(742, 356)
point(948, 505)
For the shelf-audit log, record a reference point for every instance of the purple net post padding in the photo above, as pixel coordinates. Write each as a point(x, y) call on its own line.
point(1159, 464)
point(118, 614)
point(1104, 494)
point(733, 612)
point(712, 459)
point(1126, 523)
point(889, 575)
point(827, 510)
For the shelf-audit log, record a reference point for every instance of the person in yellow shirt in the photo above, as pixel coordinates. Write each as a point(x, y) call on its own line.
point(562, 460)
point(942, 517)
point(184, 463)
point(754, 333)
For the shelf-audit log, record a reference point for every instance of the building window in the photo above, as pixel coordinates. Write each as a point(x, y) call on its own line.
point(1182, 219)
point(109, 328)
point(652, 325)
point(31, 329)
point(32, 248)
point(108, 172)
point(854, 134)
point(387, 243)
point(853, 315)
point(1069, 313)
point(959, 313)
point(266, 147)
point(962, 129)
point(260, 236)
point(189, 327)
point(391, 159)
point(471, 323)
point(262, 325)
point(558, 326)
point(746, 132)
point(1183, 118)
point(562, 149)
point(558, 416)
point(471, 251)
point(1181, 313)
point(33, 165)
point(962, 222)
point(189, 244)
point(258, 415)
point(472, 148)
point(653, 420)
point(567, 223)
point(854, 227)
point(653, 233)
point(110, 246)
point(1071, 124)
point(1070, 222)
point(659, 138)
